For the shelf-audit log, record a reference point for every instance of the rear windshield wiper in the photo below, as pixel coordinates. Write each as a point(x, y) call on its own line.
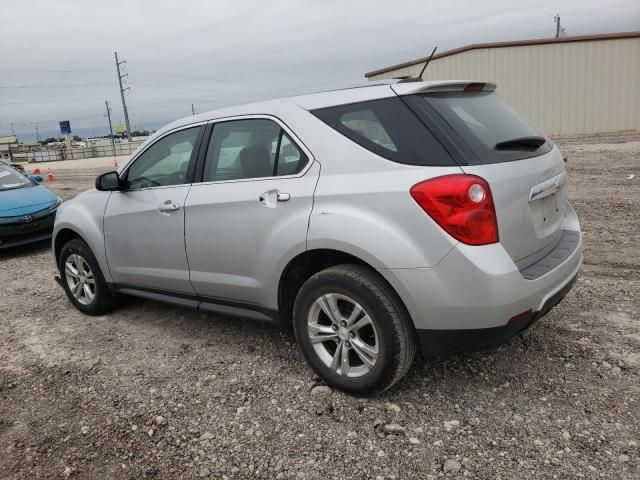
point(523, 143)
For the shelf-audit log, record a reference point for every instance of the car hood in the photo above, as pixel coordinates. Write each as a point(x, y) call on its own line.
point(22, 201)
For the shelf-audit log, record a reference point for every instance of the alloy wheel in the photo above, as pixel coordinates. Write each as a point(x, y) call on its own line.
point(80, 279)
point(343, 335)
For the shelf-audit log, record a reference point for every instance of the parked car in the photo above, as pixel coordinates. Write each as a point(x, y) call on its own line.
point(373, 219)
point(27, 209)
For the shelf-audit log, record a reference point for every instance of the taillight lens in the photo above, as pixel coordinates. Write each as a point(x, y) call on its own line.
point(462, 205)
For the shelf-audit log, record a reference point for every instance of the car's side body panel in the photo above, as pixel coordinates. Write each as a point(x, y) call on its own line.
point(84, 216)
point(235, 244)
point(145, 246)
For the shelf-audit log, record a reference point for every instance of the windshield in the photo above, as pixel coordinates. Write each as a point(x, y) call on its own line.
point(488, 124)
point(10, 178)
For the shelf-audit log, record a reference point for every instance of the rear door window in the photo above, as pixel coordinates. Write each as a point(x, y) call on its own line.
point(251, 148)
point(388, 128)
point(485, 122)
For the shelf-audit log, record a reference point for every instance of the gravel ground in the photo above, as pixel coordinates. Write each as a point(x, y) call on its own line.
point(154, 391)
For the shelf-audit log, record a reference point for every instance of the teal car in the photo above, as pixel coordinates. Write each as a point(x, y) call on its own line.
point(27, 209)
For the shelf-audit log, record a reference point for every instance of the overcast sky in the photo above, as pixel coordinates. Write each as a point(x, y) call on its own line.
point(57, 63)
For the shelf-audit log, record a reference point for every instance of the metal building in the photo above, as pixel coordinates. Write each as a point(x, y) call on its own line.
point(566, 85)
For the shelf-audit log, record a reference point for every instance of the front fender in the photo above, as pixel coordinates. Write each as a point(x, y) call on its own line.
point(84, 215)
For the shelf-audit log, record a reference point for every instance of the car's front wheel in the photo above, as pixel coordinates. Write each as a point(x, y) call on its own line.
point(353, 330)
point(82, 279)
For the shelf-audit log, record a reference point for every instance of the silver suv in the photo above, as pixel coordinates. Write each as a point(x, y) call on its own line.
point(373, 219)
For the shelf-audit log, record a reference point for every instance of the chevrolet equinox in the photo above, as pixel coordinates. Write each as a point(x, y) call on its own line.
point(373, 219)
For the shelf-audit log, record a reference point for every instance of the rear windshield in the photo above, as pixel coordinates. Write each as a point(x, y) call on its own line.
point(388, 128)
point(493, 130)
point(10, 178)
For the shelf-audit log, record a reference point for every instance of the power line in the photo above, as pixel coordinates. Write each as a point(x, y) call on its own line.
point(52, 101)
point(60, 86)
point(136, 96)
point(206, 79)
point(124, 104)
point(51, 71)
point(41, 122)
point(177, 88)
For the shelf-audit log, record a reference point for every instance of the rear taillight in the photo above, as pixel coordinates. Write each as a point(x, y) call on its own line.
point(462, 205)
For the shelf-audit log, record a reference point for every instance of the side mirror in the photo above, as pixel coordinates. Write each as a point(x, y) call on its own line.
point(108, 182)
point(37, 179)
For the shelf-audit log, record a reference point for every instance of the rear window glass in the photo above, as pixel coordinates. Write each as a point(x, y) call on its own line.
point(388, 128)
point(485, 122)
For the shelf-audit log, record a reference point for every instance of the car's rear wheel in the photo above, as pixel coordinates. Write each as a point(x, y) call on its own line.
point(82, 279)
point(353, 330)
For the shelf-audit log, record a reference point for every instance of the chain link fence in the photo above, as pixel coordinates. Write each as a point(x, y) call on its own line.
point(21, 154)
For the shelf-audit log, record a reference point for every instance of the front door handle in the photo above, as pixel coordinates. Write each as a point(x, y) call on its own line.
point(272, 197)
point(168, 206)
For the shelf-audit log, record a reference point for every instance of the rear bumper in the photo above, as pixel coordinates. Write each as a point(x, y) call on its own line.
point(467, 300)
point(436, 342)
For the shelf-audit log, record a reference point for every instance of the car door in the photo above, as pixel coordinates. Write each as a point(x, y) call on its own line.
point(250, 210)
point(144, 223)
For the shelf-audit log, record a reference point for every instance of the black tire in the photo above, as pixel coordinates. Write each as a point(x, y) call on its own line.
point(396, 337)
point(104, 300)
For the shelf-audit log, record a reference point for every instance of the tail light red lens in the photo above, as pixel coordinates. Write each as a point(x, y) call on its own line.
point(462, 205)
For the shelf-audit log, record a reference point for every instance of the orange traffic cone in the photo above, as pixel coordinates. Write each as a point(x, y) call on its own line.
point(36, 171)
point(50, 177)
point(115, 163)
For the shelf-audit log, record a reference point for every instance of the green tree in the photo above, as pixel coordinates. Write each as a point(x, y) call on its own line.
point(50, 140)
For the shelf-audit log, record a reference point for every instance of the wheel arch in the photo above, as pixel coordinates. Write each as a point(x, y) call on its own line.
point(304, 265)
point(62, 237)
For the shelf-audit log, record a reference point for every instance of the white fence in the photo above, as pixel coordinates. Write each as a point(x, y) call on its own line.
point(117, 150)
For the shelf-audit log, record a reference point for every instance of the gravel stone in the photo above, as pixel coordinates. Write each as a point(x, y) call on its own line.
point(159, 420)
point(394, 429)
point(451, 425)
point(451, 466)
point(114, 374)
point(321, 390)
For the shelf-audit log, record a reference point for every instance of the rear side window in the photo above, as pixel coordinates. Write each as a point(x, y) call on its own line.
point(388, 128)
point(488, 125)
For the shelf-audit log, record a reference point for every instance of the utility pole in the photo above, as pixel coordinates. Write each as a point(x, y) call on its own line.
point(113, 143)
point(556, 19)
point(37, 134)
point(13, 132)
point(193, 111)
point(124, 104)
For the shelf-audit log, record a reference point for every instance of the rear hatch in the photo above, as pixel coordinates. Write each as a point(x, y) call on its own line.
point(523, 168)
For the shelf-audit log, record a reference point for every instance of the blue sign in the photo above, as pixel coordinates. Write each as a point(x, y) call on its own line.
point(65, 127)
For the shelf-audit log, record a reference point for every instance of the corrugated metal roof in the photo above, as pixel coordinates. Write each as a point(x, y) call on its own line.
point(512, 43)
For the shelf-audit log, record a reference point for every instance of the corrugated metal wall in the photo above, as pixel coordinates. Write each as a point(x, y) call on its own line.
point(563, 88)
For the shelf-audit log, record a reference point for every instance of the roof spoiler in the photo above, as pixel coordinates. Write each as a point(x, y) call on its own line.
point(411, 87)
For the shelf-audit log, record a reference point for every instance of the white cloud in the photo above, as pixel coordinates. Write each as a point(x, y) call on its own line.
point(255, 49)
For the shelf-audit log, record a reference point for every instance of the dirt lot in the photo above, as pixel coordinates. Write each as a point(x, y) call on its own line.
point(154, 391)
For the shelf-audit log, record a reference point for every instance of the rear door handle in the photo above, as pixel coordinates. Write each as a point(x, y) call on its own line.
point(168, 206)
point(283, 197)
